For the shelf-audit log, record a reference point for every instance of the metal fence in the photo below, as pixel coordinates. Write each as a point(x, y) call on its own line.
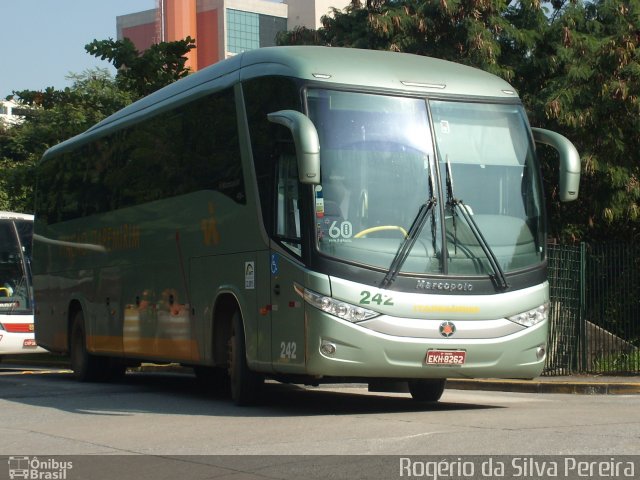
point(594, 311)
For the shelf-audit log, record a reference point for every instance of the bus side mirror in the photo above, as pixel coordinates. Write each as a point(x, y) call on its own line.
point(569, 161)
point(305, 138)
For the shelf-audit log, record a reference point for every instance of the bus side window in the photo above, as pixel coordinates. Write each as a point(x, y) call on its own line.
point(287, 202)
point(267, 138)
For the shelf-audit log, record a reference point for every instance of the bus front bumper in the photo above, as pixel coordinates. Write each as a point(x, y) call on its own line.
point(337, 348)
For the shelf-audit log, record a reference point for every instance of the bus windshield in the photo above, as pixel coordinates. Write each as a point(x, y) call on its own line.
point(379, 157)
point(15, 275)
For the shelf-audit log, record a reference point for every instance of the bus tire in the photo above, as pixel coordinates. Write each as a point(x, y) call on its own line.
point(245, 383)
point(86, 367)
point(430, 390)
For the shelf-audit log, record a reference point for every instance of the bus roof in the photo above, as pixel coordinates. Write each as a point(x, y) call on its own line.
point(373, 69)
point(15, 216)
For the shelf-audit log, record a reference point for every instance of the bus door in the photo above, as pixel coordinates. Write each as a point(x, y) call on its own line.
point(287, 310)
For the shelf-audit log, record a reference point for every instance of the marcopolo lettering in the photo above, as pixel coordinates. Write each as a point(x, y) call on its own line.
point(444, 286)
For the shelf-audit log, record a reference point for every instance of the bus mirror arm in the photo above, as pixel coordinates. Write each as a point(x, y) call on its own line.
point(569, 161)
point(305, 138)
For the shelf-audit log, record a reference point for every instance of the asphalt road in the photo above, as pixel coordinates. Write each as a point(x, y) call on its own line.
point(44, 412)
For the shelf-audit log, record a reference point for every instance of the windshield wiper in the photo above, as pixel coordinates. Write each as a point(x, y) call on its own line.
point(458, 205)
point(414, 232)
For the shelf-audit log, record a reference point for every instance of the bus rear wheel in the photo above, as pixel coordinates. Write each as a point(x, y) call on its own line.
point(87, 367)
point(427, 390)
point(245, 383)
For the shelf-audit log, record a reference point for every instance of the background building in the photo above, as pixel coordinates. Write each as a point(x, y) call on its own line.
point(222, 28)
point(10, 112)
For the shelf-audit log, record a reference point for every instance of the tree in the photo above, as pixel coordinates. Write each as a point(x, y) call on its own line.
point(144, 72)
point(589, 90)
point(54, 116)
point(575, 64)
point(487, 34)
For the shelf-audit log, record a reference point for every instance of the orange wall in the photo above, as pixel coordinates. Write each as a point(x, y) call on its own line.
point(142, 36)
point(207, 39)
point(180, 22)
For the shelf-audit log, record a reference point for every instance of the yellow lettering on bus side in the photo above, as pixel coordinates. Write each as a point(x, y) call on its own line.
point(209, 227)
point(123, 237)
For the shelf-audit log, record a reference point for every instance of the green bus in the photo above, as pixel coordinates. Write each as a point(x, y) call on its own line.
point(304, 214)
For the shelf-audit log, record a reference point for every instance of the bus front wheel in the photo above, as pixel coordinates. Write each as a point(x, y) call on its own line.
point(427, 390)
point(245, 383)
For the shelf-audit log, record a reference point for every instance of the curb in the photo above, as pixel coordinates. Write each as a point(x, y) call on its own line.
point(533, 386)
point(576, 387)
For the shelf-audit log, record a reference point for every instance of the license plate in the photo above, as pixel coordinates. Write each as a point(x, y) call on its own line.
point(30, 342)
point(445, 357)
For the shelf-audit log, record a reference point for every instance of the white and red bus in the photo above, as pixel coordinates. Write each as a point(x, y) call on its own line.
point(16, 291)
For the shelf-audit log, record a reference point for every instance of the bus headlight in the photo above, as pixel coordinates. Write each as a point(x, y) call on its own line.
point(343, 310)
point(532, 317)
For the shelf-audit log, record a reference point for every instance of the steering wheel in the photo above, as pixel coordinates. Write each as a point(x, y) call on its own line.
point(380, 228)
